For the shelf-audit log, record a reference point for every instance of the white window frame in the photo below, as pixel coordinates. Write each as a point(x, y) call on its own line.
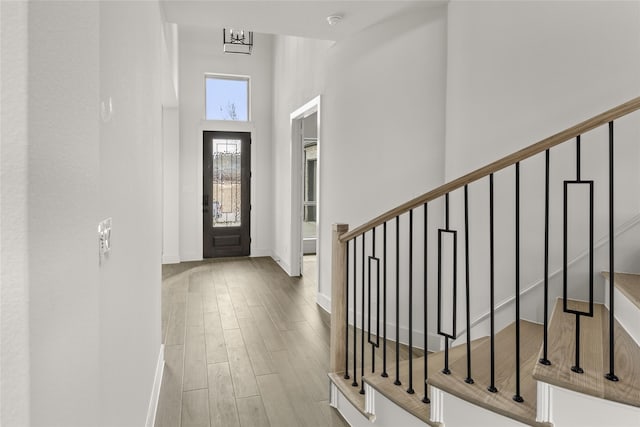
point(236, 77)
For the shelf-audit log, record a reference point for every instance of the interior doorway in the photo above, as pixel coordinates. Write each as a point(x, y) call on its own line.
point(305, 186)
point(309, 184)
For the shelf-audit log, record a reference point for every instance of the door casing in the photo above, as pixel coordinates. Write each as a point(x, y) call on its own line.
point(226, 241)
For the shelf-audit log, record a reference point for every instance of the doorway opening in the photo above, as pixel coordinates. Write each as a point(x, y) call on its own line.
point(305, 187)
point(309, 184)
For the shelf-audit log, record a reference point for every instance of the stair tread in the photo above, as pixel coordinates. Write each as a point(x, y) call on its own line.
point(501, 402)
point(628, 284)
point(412, 403)
point(594, 355)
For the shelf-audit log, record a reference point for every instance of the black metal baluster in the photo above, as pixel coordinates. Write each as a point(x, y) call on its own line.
point(517, 397)
point(446, 369)
point(355, 314)
point(425, 399)
point(397, 381)
point(346, 317)
point(544, 360)
point(492, 387)
point(469, 378)
point(576, 367)
point(362, 355)
point(375, 344)
point(410, 388)
point(384, 303)
point(611, 376)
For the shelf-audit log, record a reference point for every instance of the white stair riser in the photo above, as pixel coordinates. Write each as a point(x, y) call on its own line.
point(387, 413)
point(626, 312)
point(460, 413)
point(576, 409)
point(567, 409)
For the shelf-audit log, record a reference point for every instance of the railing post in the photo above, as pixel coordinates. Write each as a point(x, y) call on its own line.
point(338, 297)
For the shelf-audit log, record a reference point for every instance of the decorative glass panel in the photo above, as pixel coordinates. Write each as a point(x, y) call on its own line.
point(227, 188)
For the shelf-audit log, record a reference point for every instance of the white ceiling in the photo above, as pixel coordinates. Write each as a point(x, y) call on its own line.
point(303, 18)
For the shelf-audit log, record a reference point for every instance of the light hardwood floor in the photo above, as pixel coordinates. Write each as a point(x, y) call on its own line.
point(245, 345)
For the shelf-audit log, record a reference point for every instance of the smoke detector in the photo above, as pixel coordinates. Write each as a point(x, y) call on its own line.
point(334, 19)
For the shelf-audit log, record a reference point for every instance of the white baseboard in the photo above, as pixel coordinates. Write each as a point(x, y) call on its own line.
point(170, 259)
point(191, 257)
point(283, 264)
point(155, 391)
point(324, 302)
point(260, 252)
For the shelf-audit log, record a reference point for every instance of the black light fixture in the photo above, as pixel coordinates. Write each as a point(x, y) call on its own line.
point(237, 41)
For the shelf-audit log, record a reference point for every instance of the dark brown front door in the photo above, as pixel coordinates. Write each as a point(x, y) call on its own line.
point(226, 208)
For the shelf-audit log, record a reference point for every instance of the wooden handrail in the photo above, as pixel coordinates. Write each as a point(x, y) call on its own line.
point(567, 134)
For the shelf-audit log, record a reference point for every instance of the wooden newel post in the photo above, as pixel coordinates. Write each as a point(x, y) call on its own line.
point(338, 295)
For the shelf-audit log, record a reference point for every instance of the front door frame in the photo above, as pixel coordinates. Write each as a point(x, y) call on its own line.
point(297, 196)
point(244, 249)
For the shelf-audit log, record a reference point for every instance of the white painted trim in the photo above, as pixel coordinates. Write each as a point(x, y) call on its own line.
point(370, 401)
point(333, 394)
point(324, 302)
point(437, 405)
point(626, 312)
point(155, 391)
point(192, 256)
point(508, 301)
point(544, 409)
point(170, 259)
point(283, 265)
point(261, 252)
point(295, 259)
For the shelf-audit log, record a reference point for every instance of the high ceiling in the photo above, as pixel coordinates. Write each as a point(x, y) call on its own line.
point(303, 18)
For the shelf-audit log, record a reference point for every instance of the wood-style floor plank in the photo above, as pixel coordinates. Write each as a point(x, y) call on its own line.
point(280, 410)
point(222, 402)
point(260, 357)
point(251, 412)
point(195, 408)
point(244, 380)
point(216, 348)
point(251, 339)
point(195, 359)
point(170, 402)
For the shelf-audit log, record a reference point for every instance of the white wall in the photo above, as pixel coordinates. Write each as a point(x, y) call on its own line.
point(522, 71)
point(14, 292)
point(200, 53)
point(63, 210)
point(93, 330)
point(382, 126)
point(298, 77)
point(171, 185)
point(131, 71)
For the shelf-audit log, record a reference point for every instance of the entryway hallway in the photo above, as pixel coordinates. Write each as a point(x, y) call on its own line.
point(245, 345)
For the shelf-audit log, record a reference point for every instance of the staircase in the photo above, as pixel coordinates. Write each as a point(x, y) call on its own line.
point(569, 356)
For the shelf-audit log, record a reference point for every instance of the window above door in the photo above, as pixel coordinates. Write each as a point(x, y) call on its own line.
point(227, 97)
